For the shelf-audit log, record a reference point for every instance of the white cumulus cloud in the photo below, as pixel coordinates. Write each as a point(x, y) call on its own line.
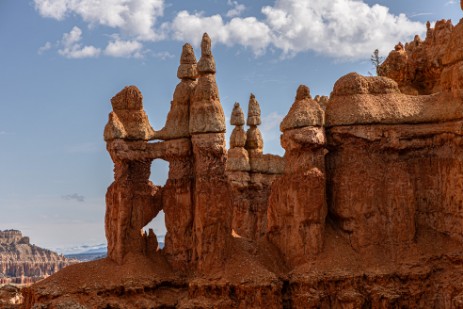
point(342, 29)
point(347, 29)
point(44, 48)
point(72, 48)
point(163, 55)
point(132, 17)
point(248, 32)
point(121, 48)
point(339, 28)
point(236, 10)
point(52, 8)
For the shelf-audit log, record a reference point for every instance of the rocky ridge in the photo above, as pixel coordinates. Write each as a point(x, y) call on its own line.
point(364, 210)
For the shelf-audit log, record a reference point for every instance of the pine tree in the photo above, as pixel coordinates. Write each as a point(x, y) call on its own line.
point(376, 60)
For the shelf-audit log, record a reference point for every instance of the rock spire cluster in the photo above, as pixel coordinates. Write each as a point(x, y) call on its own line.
point(194, 145)
point(369, 190)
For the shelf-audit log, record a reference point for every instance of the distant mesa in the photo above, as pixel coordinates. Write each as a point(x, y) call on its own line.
point(22, 263)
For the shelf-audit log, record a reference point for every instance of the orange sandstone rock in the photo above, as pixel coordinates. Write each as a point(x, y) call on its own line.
point(421, 67)
point(297, 204)
point(177, 124)
point(128, 120)
point(304, 112)
point(206, 113)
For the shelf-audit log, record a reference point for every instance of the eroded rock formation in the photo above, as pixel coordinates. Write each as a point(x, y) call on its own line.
point(132, 200)
point(179, 114)
point(211, 224)
point(250, 173)
point(295, 225)
point(365, 209)
point(429, 66)
point(23, 263)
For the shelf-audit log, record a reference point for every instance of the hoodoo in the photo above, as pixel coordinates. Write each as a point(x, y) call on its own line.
point(364, 210)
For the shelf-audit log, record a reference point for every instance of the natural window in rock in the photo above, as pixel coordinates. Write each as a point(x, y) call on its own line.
point(158, 225)
point(159, 172)
point(159, 175)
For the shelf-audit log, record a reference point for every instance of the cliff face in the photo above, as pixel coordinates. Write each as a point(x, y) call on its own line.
point(23, 263)
point(365, 209)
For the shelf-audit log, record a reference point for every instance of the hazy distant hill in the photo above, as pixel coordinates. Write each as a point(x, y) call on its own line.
point(87, 253)
point(90, 253)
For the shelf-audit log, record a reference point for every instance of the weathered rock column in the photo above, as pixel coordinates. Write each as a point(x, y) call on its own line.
point(250, 173)
point(297, 204)
point(238, 169)
point(132, 200)
point(178, 191)
point(251, 214)
point(212, 210)
point(238, 159)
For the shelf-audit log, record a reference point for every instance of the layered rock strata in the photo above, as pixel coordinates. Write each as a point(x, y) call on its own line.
point(413, 142)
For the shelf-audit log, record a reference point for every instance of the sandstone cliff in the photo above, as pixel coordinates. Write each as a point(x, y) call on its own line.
point(23, 263)
point(364, 210)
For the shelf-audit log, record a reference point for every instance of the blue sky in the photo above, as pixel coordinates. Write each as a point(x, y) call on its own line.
point(62, 61)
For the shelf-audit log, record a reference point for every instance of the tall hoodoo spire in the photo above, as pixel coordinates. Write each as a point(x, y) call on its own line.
point(177, 123)
point(206, 113)
point(207, 130)
point(238, 159)
point(298, 229)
